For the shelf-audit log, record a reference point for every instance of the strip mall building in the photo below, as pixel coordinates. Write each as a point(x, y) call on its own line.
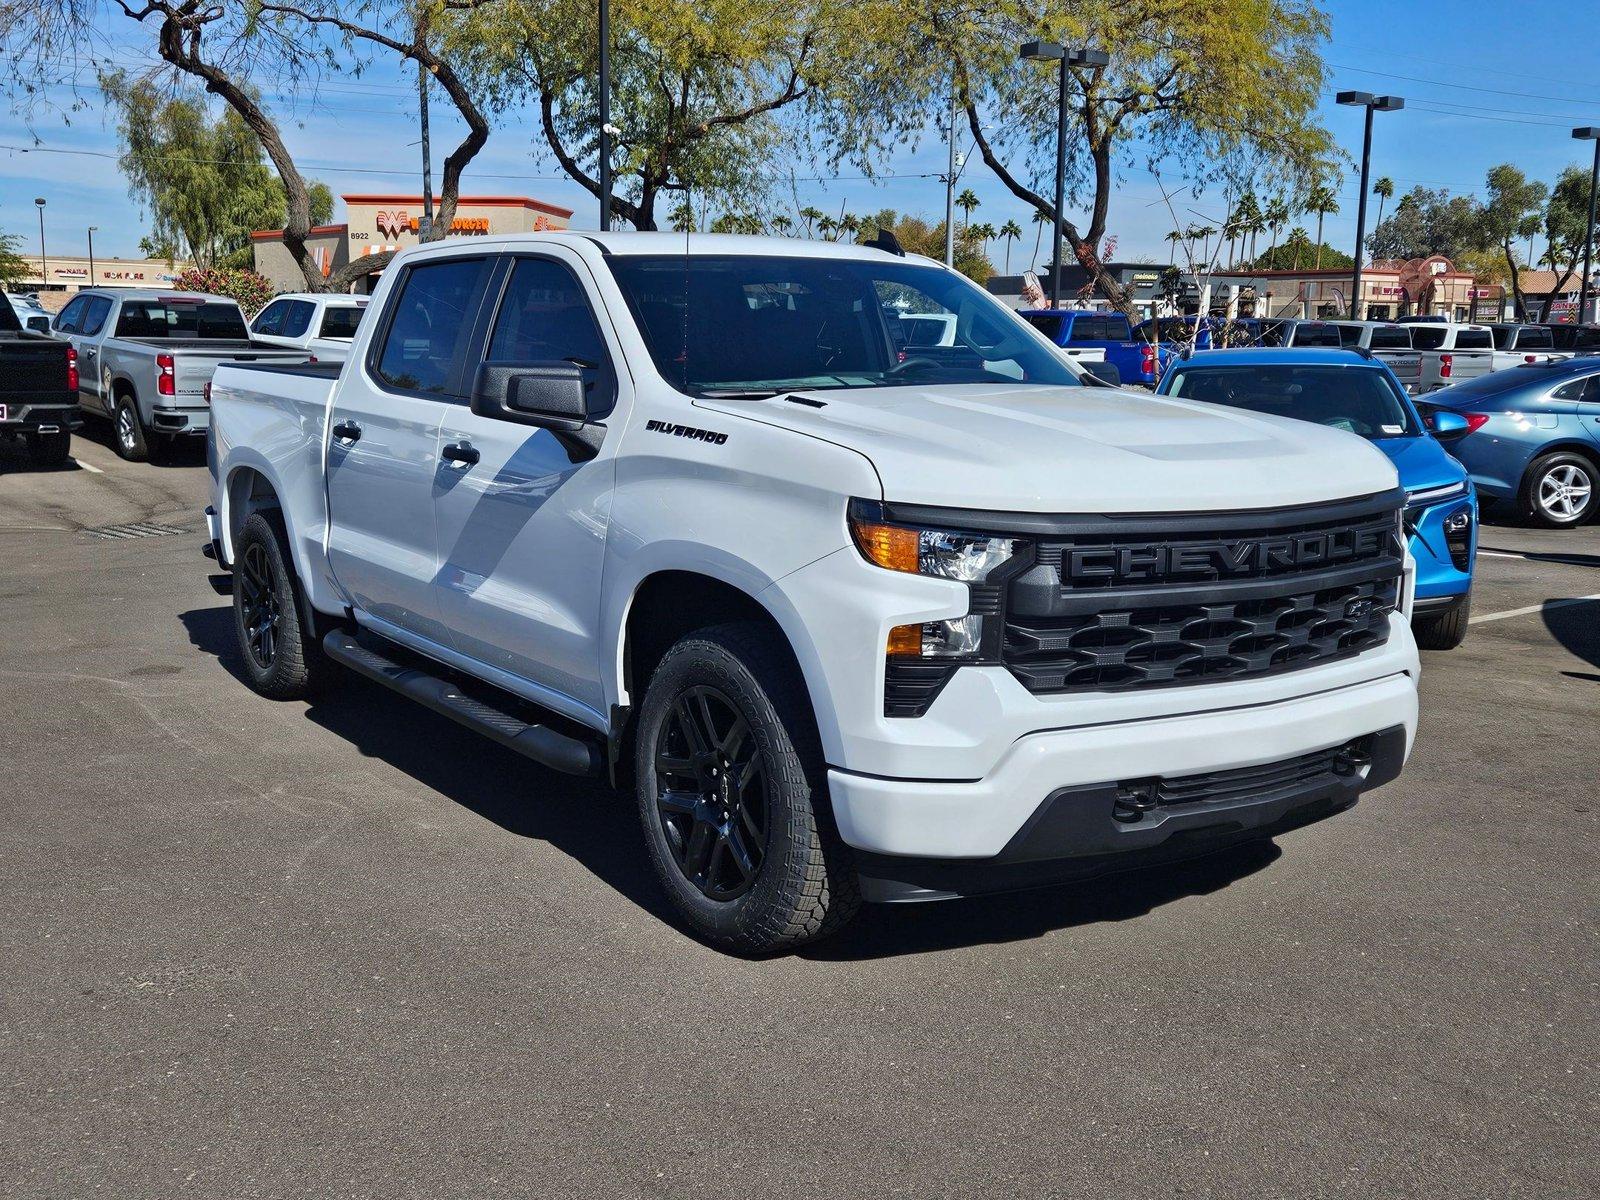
point(375, 224)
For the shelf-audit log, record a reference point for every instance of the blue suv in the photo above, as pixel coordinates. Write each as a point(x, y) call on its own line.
point(1530, 434)
point(1351, 390)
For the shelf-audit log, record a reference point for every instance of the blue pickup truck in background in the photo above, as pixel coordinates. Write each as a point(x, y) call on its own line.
point(1086, 329)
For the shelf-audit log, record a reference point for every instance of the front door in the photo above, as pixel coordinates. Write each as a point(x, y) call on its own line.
point(90, 327)
point(522, 514)
point(383, 450)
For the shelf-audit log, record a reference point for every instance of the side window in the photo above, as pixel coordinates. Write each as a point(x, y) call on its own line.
point(67, 320)
point(545, 317)
point(340, 322)
point(1571, 391)
point(94, 315)
point(298, 319)
point(429, 326)
point(270, 322)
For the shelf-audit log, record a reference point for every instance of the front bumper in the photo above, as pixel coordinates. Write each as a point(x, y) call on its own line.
point(981, 818)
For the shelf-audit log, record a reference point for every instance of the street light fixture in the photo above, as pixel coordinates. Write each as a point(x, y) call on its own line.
point(1372, 104)
point(1054, 52)
point(92, 230)
point(44, 266)
point(1588, 133)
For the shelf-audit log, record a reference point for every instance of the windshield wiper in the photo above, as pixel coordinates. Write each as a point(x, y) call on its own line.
point(735, 394)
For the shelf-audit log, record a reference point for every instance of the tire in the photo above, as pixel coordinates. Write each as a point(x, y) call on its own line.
point(1445, 631)
point(127, 431)
point(283, 660)
point(49, 449)
point(1560, 490)
point(757, 869)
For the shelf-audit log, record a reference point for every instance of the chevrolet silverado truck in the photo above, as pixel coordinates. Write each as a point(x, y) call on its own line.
point(145, 357)
point(847, 623)
point(38, 391)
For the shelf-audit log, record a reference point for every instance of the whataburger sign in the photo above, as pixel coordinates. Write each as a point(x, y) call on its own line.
point(391, 223)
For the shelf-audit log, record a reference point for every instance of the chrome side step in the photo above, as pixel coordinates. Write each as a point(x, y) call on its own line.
point(558, 751)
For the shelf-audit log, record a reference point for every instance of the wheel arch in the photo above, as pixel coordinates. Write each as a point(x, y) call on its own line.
point(1565, 445)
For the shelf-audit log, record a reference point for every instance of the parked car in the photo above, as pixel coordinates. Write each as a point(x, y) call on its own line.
point(29, 313)
point(1357, 392)
point(1516, 344)
point(674, 510)
point(1451, 353)
point(1171, 336)
point(1575, 339)
point(38, 390)
point(320, 324)
point(1300, 332)
point(145, 357)
point(1387, 341)
point(1083, 334)
point(1529, 435)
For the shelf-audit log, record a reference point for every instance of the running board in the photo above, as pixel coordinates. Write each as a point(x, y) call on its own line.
point(544, 745)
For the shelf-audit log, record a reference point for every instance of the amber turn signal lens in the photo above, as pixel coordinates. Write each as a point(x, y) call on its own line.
point(891, 546)
point(905, 641)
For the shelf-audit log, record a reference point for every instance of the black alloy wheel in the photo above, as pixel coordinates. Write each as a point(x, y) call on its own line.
point(712, 793)
point(261, 612)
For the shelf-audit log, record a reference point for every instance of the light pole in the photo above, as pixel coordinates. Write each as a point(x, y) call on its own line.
point(44, 266)
point(1588, 133)
point(1053, 52)
point(1372, 104)
point(92, 228)
point(605, 114)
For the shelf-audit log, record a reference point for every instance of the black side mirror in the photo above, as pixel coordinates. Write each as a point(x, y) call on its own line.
point(1105, 372)
point(551, 395)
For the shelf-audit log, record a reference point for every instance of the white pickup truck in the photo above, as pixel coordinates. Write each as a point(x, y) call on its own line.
point(1451, 353)
point(848, 621)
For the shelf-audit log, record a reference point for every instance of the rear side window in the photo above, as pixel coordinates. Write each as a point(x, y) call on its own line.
point(1502, 336)
point(545, 317)
point(1474, 339)
point(298, 319)
point(340, 323)
point(1046, 324)
point(1100, 329)
point(1317, 335)
point(430, 325)
point(1390, 337)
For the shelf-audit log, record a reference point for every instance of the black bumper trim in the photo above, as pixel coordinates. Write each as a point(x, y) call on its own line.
point(1073, 835)
point(1433, 606)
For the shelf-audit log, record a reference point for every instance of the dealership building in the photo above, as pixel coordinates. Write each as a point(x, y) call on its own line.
point(375, 224)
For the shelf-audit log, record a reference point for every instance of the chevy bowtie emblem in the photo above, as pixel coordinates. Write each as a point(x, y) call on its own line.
point(1358, 610)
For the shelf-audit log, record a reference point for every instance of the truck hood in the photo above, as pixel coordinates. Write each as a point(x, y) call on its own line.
point(1027, 448)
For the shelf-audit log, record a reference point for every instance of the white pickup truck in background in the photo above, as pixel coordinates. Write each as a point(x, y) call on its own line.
point(853, 612)
point(322, 324)
point(1451, 353)
point(1389, 342)
point(1518, 344)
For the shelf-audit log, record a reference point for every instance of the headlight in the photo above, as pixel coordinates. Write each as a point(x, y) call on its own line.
point(940, 553)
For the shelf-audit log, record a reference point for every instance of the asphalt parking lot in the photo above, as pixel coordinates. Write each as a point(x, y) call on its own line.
point(348, 949)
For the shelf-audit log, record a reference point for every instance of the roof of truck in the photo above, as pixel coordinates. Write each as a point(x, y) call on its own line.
point(696, 244)
point(1261, 356)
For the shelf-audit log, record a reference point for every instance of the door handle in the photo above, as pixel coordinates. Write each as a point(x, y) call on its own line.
point(460, 452)
point(348, 430)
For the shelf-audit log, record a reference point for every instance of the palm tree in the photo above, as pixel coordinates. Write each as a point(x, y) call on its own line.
point(1298, 239)
point(1041, 219)
point(966, 202)
point(1009, 232)
point(1249, 220)
point(985, 234)
point(850, 224)
point(1383, 190)
point(1277, 215)
point(682, 217)
point(782, 224)
point(826, 225)
point(1321, 201)
point(811, 215)
point(1175, 236)
point(1202, 233)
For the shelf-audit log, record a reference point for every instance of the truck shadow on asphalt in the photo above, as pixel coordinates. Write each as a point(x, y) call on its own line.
point(1577, 628)
point(599, 828)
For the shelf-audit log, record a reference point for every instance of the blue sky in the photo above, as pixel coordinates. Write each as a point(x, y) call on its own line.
point(1482, 82)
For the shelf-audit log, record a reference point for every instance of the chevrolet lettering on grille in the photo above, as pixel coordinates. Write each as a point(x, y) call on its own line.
point(1154, 562)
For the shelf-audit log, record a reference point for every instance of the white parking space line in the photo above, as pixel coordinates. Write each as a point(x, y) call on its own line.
point(87, 466)
point(1498, 554)
point(1533, 608)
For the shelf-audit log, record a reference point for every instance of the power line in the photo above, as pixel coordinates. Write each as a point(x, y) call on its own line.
point(1466, 87)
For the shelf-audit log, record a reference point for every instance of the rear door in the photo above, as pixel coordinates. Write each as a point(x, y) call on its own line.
point(522, 513)
point(1589, 408)
point(383, 447)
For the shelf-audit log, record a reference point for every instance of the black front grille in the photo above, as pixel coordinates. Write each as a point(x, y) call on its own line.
point(1136, 797)
point(1120, 603)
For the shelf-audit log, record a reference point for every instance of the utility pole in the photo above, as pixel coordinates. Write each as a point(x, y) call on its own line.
point(950, 188)
point(1372, 104)
point(92, 228)
point(605, 114)
point(427, 166)
point(1587, 133)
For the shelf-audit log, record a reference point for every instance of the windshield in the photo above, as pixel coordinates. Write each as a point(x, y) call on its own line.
point(181, 319)
point(718, 324)
point(1356, 399)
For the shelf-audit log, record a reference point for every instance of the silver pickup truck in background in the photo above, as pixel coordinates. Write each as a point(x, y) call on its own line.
point(145, 357)
point(1386, 341)
point(1451, 353)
